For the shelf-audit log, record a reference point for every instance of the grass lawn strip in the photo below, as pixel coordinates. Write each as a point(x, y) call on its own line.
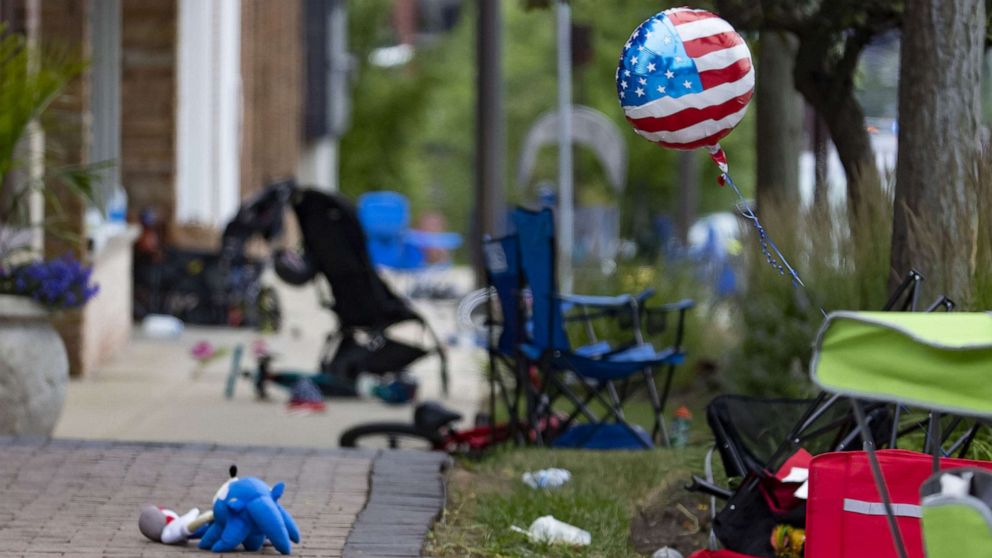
point(607, 489)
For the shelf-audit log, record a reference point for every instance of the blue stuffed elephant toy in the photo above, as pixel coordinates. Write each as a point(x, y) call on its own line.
point(246, 512)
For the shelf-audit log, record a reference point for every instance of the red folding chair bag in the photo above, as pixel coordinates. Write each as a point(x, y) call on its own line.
point(845, 517)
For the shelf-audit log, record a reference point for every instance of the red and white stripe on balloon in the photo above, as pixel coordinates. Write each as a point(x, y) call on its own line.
point(685, 79)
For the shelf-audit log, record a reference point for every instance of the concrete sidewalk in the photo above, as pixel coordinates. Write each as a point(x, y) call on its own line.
point(152, 391)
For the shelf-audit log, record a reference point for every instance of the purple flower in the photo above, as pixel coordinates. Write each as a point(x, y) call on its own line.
point(202, 351)
point(60, 283)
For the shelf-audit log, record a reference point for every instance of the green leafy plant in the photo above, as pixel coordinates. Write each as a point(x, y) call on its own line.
point(31, 77)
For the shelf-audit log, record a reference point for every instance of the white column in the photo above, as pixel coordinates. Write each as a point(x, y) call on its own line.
point(319, 164)
point(208, 137)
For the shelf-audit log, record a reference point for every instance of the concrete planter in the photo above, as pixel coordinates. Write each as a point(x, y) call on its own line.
point(34, 369)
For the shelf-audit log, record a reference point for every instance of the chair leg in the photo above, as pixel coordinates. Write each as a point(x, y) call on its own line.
point(663, 402)
point(580, 409)
point(658, 433)
point(615, 411)
point(617, 403)
point(876, 470)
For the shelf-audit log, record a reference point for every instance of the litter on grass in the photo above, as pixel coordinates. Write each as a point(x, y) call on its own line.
point(547, 529)
point(547, 478)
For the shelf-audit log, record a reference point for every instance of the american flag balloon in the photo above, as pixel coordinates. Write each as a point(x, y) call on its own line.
point(685, 80)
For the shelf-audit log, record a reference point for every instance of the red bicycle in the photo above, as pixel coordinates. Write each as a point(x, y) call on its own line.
point(433, 429)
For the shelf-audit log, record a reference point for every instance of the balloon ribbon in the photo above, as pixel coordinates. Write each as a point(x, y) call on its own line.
point(771, 252)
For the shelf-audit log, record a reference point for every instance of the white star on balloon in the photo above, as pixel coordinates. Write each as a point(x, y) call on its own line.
point(639, 91)
point(669, 74)
point(687, 84)
point(661, 89)
point(650, 67)
point(642, 81)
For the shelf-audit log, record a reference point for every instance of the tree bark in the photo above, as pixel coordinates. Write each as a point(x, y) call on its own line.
point(936, 199)
point(688, 180)
point(821, 154)
point(828, 85)
point(780, 123)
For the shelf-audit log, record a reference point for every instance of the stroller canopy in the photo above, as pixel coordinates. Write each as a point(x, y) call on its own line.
point(940, 361)
point(336, 245)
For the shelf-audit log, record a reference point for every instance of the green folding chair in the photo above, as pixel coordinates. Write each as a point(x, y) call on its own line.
point(936, 361)
point(958, 525)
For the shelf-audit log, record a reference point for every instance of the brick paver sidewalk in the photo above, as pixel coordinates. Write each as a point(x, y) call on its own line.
point(81, 498)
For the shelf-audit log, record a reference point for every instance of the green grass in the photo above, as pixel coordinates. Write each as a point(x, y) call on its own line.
point(487, 497)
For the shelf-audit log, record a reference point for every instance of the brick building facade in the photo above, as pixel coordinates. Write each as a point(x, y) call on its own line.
point(267, 71)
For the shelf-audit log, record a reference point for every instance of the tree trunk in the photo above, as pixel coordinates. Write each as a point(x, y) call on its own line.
point(936, 212)
point(780, 123)
point(821, 154)
point(828, 85)
point(688, 180)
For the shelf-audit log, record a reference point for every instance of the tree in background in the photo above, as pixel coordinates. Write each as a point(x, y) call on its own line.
point(831, 35)
point(780, 112)
point(413, 124)
point(936, 215)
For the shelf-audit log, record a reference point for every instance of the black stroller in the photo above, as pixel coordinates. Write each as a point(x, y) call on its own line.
point(334, 245)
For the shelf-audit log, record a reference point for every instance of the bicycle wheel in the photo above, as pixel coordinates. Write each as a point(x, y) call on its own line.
point(388, 435)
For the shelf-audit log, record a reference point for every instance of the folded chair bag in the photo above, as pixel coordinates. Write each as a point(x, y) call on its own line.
point(958, 525)
point(940, 361)
point(845, 517)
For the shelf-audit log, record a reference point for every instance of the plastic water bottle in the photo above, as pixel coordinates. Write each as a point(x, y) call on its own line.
point(117, 206)
point(159, 326)
point(547, 478)
point(549, 530)
point(680, 428)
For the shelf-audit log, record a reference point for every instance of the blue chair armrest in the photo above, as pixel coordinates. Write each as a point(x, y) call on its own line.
point(433, 240)
point(684, 304)
point(615, 301)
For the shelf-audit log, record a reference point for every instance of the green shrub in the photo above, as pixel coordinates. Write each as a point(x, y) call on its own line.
point(777, 321)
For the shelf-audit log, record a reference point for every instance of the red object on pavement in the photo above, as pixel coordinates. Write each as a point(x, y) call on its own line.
point(308, 406)
point(845, 517)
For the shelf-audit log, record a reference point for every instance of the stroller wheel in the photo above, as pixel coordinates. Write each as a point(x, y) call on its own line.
point(389, 435)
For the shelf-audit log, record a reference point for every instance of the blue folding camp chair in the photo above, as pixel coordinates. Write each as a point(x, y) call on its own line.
point(507, 367)
point(510, 370)
point(385, 216)
point(600, 369)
